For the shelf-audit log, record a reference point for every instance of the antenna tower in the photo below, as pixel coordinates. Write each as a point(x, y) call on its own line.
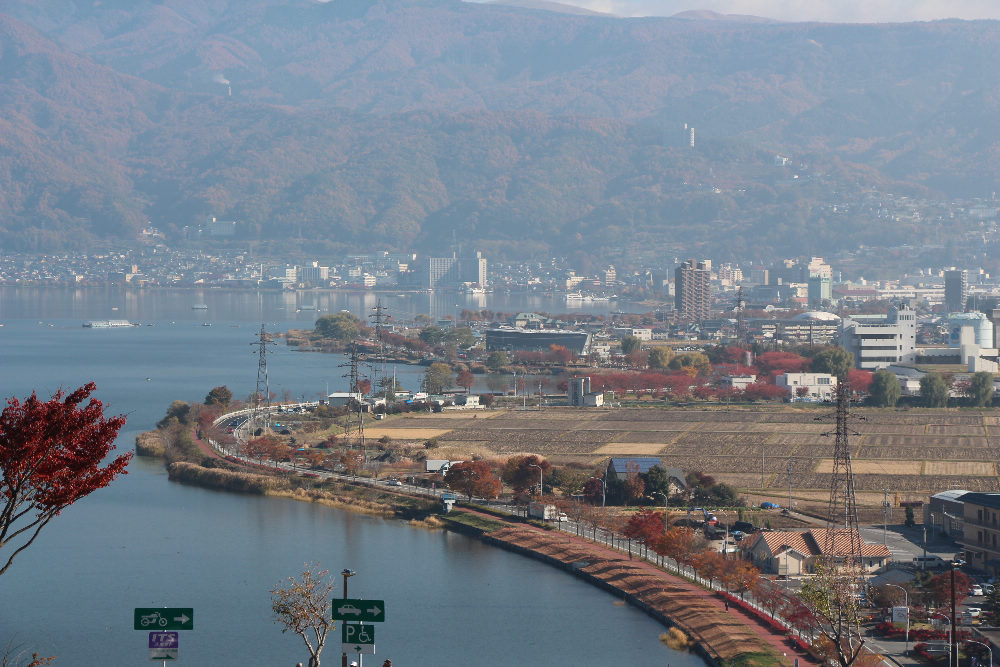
point(262, 396)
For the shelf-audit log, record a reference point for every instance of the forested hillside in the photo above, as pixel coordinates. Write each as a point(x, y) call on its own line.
point(391, 124)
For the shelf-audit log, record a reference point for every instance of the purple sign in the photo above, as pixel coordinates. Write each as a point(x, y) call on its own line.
point(163, 640)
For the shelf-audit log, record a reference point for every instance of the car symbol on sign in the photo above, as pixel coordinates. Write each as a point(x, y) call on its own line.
point(348, 609)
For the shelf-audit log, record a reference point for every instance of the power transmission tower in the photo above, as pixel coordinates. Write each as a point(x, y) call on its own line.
point(262, 396)
point(842, 512)
point(379, 318)
point(353, 376)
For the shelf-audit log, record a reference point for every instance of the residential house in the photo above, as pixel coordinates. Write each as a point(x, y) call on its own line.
point(793, 553)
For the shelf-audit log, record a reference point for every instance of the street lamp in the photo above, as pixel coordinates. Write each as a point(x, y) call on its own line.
point(986, 646)
point(661, 493)
point(539, 478)
point(937, 613)
point(906, 644)
point(604, 489)
point(955, 564)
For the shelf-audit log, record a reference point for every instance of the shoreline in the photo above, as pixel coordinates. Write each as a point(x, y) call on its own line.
point(717, 636)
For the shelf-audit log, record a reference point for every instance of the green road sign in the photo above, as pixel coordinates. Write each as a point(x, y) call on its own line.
point(362, 611)
point(164, 618)
point(357, 638)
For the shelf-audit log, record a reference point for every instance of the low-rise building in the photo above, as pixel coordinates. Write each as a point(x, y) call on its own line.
point(815, 386)
point(792, 553)
point(981, 531)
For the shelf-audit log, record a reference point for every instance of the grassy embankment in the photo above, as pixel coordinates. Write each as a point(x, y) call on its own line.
point(188, 464)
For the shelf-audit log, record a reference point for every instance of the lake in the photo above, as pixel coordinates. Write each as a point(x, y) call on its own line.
point(147, 542)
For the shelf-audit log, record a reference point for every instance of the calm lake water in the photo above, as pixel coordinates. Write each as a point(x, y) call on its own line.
point(146, 542)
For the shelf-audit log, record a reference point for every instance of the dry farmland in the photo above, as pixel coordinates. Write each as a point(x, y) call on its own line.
point(910, 453)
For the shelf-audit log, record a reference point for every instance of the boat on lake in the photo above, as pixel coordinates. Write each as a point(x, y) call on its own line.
point(108, 324)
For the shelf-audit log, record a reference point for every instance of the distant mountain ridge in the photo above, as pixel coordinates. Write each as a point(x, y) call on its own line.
point(401, 120)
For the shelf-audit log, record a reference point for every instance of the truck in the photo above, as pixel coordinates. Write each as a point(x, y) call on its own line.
point(544, 511)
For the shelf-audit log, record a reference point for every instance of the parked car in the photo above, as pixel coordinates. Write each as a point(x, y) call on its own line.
point(767, 505)
point(974, 612)
point(976, 590)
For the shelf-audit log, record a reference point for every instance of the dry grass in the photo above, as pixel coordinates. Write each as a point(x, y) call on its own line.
point(404, 433)
point(973, 468)
point(631, 448)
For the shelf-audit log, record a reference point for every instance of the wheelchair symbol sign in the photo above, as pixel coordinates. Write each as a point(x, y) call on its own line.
point(358, 638)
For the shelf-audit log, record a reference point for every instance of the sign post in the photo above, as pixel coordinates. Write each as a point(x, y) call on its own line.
point(361, 611)
point(162, 622)
point(164, 618)
point(357, 638)
point(163, 646)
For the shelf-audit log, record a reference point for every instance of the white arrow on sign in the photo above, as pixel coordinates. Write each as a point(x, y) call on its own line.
point(374, 611)
point(183, 618)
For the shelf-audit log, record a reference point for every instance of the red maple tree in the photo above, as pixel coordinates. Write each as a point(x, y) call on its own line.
point(50, 457)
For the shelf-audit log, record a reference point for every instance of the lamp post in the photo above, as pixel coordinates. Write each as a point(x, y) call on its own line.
point(986, 646)
point(661, 493)
point(346, 573)
point(955, 564)
point(539, 478)
point(604, 489)
point(950, 656)
point(906, 644)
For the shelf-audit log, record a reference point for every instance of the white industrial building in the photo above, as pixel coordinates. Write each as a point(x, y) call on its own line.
point(879, 340)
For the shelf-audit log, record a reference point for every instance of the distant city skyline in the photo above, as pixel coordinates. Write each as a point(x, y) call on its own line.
point(832, 11)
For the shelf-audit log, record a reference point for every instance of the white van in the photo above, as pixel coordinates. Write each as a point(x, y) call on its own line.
point(928, 562)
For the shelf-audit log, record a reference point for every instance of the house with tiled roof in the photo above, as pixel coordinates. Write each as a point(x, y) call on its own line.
point(620, 467)
point(792, 553)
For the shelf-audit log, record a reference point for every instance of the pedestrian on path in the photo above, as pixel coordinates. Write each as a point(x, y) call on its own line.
point(727, 604)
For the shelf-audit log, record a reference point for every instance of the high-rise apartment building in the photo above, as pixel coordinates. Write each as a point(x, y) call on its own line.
point(693, 290)
point(454, 271)
point(956, 290)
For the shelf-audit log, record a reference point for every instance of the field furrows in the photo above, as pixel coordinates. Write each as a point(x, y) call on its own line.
point(925, 441)
point(948, 429)
point(647, 436)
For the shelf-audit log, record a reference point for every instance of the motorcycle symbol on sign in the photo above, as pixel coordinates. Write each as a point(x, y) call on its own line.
point(153, 619)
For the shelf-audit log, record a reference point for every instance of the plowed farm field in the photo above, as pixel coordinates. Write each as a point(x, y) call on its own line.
point(914, 452)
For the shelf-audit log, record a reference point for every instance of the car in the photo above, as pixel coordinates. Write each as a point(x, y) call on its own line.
point(974, 612)
point(345, 609)
point(988, 589)
point(394, 482)
point(766, 505)
point(976, 590)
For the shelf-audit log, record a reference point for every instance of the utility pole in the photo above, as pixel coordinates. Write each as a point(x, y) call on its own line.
point(789, 485)
point(762, 470)
point(885, 513)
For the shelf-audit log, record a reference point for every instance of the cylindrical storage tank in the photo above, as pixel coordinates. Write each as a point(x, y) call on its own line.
point(980, 324)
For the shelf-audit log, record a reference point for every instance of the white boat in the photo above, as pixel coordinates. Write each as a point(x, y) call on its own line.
point(108, 324)
point(200, 306)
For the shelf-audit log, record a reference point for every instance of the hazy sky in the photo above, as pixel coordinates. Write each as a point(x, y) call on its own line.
point(850, 11)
